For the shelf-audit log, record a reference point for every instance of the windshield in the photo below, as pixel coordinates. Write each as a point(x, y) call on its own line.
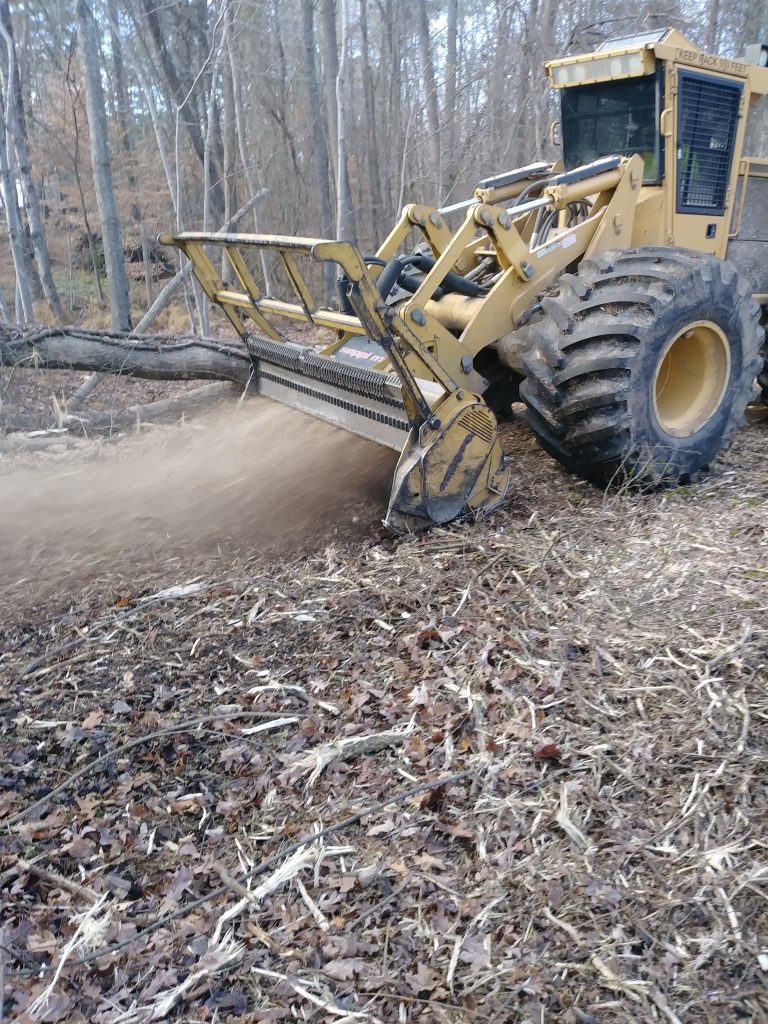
point(613, 119)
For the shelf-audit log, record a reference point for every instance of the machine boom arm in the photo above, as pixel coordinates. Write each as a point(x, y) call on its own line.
point(419, 387)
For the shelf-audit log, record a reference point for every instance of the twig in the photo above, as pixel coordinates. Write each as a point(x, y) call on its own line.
point(378, 906)
point(324, 1004)
point(219, 956)
point(87, 930)
point(312, 837)
point(664, 1006)
point(731, 650)
point(57, 880)
point(232, 883)
point(111, 754)
point(243, 893)
point(348, 747)
point(300, 859)
point(54, 652)
point(318, 916)
point(567, 928)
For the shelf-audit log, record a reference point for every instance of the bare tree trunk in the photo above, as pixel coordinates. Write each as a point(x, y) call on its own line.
point(372, 135)
point(345, 224)
point(117, 280)
point(123, 112)
point(88, 233)
point(159, 141)
point(181, 96)
point(391, 157)
point(17, 128)
point(24, 297)
point(209, 141)
point(229, 131)
point(35, 284)
point(73, 95)
point(448, 164)
point(428, 72)
point(321, 152)
point(332, 72)
point(330, 67)
point(251, 178)
point(713, 28)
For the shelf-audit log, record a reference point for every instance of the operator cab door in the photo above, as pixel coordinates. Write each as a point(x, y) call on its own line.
point(707, 129)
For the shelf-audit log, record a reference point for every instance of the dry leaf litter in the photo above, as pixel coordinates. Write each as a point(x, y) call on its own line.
point(510, 771)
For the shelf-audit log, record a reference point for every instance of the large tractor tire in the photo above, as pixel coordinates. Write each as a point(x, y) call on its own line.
point(642, 365)
point(762, 377)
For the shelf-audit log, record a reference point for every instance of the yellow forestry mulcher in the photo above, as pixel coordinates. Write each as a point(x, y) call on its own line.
point(617, 293)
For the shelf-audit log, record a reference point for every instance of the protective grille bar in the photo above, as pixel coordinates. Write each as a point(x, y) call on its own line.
point(709, 111)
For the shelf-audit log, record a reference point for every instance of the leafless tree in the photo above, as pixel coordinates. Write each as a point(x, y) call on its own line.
point(16, 126)
point(117, 281)
point(342, 109)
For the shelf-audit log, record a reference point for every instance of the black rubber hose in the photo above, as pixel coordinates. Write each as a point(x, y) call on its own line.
point(342, 284)
point(394, 273)
point(542, 183)
point(412, 284)
point(389, 277)
point(451, 282)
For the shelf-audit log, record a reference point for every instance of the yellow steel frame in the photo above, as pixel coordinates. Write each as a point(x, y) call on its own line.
point(439, 338)
point(419, 336)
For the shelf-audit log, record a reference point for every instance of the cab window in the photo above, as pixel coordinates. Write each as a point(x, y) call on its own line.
point(613, 118)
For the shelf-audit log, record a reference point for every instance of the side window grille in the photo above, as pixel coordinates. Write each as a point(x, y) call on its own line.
point(708, 118)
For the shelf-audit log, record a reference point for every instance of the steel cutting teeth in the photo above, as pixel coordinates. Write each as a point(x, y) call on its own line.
point(357, 399)
point(382, 387)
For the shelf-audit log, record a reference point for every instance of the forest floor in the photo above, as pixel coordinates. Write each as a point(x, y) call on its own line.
point(261, 762)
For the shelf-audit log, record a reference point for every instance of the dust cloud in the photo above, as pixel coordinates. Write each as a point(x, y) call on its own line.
point(258, 478)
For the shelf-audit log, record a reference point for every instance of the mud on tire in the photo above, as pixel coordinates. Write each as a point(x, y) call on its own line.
point(643, 364)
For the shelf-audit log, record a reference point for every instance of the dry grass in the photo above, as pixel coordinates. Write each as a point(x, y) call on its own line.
point(598, 662)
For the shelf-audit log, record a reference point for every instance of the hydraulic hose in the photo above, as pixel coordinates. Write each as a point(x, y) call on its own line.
point(451, 282)
point(394, 272)
point(342, 283)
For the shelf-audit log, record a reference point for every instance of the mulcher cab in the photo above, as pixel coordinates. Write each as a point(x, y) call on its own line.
point(617, 293)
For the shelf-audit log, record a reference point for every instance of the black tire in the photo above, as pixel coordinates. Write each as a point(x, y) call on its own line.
point(762, 377)
point(594, 389)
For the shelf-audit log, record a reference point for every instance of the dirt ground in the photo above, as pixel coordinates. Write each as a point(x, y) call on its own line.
point(262, 762)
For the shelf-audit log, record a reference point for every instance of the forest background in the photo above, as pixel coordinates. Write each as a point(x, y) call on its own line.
point(124, 119)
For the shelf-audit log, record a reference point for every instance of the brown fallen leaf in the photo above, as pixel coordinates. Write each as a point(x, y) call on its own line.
point(80, 849)
point(424, 980)
point(549, 752)
point(383, 828)
point(433, 798)
point(428, 638)
point(93, 718)
point(41, 942)
point(344, 968)
point(189, 804)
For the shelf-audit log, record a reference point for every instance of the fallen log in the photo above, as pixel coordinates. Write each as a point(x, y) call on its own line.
point(162, 301)
point(150, 356)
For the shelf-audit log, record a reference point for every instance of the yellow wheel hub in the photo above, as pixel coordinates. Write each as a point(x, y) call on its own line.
point(691, 378)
